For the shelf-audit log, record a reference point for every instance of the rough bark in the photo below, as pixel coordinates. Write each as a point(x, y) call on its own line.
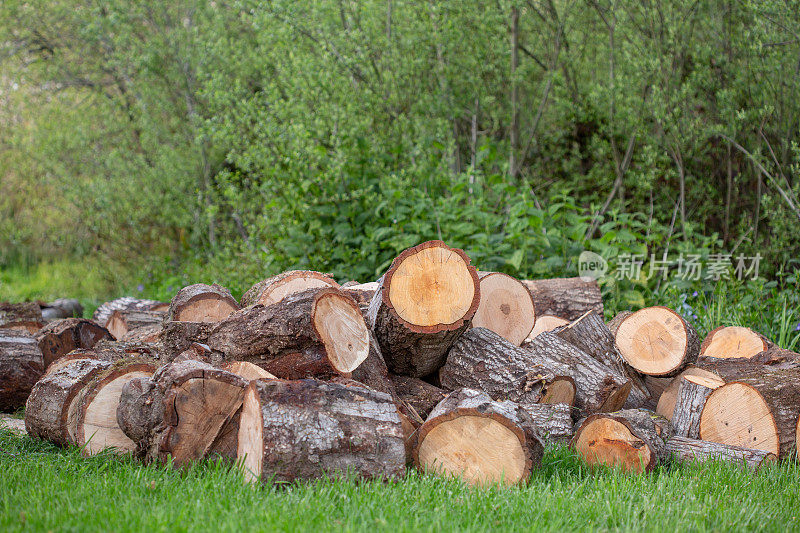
point(613, 324)
point(309, 429)
point(373, 372)
point(61, 308)
point(149, 334)
point(362, 293)
point(105, 350)
point(689, 405)
point(687, 449)
point(21, 366)
point(669, 394)
point(201, 303)
point(568, 298)
point(506, 307)
point(418, 394)
point(553, 421)
point(103, 313)
point(60, 337)
point(25, 317)
point(274, 289)
point(122, 321)
point(177, 337)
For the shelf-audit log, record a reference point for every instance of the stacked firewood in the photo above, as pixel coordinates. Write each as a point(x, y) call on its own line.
point(435, 364)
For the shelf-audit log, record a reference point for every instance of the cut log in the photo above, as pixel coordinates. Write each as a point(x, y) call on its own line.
point(126, 303)
point(669, 395)
point(177, 337)
point(246, 370)
point(506, 307)
point(51, 410)
point(546, 323)
point(148, 334)
point(21, 366)
point(202, 303)
point(657, 341)
point(426, 300)
point(273, 290)
point(61, 308)
point(122, 321)
point(553, 421)
point(140, 412)
point(310, 332)
point(96, 414)
point(633, 440)
point(568, 298)
point(729, 368)
point(598, 387)
point(613, 324)
point(420, 395)
point(686, 449)
point(759, 410)
point(362, 293)
point(373, 372)
point(60, 337)
point(692, 395)
point(309, 429)
point(482, 441)
point(25, 317)
point(733, 342)
point(483, 360)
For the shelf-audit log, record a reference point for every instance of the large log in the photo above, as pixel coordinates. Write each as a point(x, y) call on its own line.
point(426, 300)
point(126, 303)
point(25, 317)
point(106, 350)
point(60, 337)
point(420, 395)
point(122, 321)
point(692, 395)
point(484, 442)
point(669, 395)
point(733, 342)
point(309, 429)
point(273, 290)
point(202, 303)
point(567, 298)
point(506, 307)
point(373, 371)
point(21, 366)
point(307, 333)
point(689, 450)
point(362, 293)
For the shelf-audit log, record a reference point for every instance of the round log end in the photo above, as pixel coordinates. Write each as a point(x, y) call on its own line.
point(341, 328)
point(506, 307)
point(654, 341)
point(611, 441)
point(733, 342)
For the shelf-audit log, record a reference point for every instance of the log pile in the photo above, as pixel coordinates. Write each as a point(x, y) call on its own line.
point(457, 372)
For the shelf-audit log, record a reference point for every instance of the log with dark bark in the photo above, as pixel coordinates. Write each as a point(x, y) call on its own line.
point(122, 321)
point(60, 337)
point(318, 331)
point(177, 337)
point(126, 303)
point(546, 323)
point(506, 307)
point(657, 341)
point(419, 394)
point(482, 441)
point(483, 360)
point(362, 293)
point(686, 449)
point(633, 439)
point(21, 366)
point(669, 394)
point(553, 421)
point(202, 303)
point(567, 298)
point(426, 300)
point(273, 290)
point(51, 409)
point(758, 410)
point(373, 372)
point(692, 395)
point(309, 429)
point(733, 342)
point(25, 317)
point(61, 308)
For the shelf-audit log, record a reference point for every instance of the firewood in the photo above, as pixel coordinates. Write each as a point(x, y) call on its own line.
point(177, 337)
point(21, 366)
point(506, 307)
point(553, 421)
point(149, 334)
point(126, 303)
point(483, 360)
point(657, 341)
point(362, 293)
point(273, 290)
point(733, 342)
point(60, 337)
point(61, 308)
point(420, 395)
point(202, 303)
point(669, 394)
point(633, 439)
point(373, 372)
point(567, 298)
point(25, 317)
point(598, 387)
point(546, 323)
point(105, 350)
point(309, 429)
point(482, 441)
point(426, 300)
point(122, 321)
point(686, 449)
point(758, 410)
point(729, 368)
point(613, 324)
point(51, 410)
point(246, 370)
point(307, 333)
point(692, 395)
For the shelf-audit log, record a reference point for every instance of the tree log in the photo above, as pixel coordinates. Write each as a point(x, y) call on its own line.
point(669, 395)
point(418, 394)
point(568, 298)
point(362, 293)
point(145, 334)
point(553, 421)
point(21, 366)
point(546, 323)
point(692, 395)
point(686, 449)
point(177, 337)
point(426, 300)
point(506, 307)
point(482, 441)
point(373, 372)
point(25, 317)
point(613, 324)
point(245, 370)
point(309, 429)
point(60, 337)
point(126, 303)
point(122, 321)
point(105, 350)
point(202, 303)
point(273, 290)
point(733, 342)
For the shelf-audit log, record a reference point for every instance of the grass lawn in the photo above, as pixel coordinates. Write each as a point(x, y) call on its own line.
point(43, 488)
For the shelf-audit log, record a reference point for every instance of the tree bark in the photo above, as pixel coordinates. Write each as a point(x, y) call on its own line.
point(418, 394)
point(373, 372)
point(273, 290)
point(103, 313)
point(687, 449)
point(566, 298)
point(613, 324)
point(60, 337)
point(177, 337)
point(668, 396)
point(362, 293)
point(122, 321)
point(21, 366)
point(553, 421)
point(202, 303)
point(25, 317)
point(692, 395)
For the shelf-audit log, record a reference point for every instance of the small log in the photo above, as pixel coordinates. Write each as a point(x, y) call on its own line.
point(126, 303)
point(273, 290)
point(373, 372)
point(686, 449)
point(21, 366)
point(692, 395)
point(309, 429)
point(546, 323)
point(122, 321)
point(568, 298)
point(482, 441)
point(553, 421)
point(669, 394)
point(657, 341)
point(61, 308)
point(483, 360)
point(418, 394)
point(506, 307)
point(177, 337)
point(362, 293)
point(145, 334)
point(60, 337)
point(426, 300)
point(25, 317)
point(634, 439)
point(202, 303)
point(733, 342)
point(313, 332)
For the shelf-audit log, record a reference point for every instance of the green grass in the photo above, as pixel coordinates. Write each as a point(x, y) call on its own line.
point(43, 488)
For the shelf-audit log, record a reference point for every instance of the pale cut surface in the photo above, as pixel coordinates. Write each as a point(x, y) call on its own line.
point(342, 329)
point(560, 391)
point(666, 402)
point(733, 341)
point(652, 340)
point(291, 286)
point(205, 310)
point(432, 287)
point(546, 323)
point(480, 450)
point(609, 442)
point(247, 370)
point(116, 326)
point(506, 307)
point(251, 439)
point(100, 428)
point(736, 414)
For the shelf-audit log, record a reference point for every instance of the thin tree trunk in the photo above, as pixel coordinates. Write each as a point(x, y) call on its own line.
point(514, 133)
